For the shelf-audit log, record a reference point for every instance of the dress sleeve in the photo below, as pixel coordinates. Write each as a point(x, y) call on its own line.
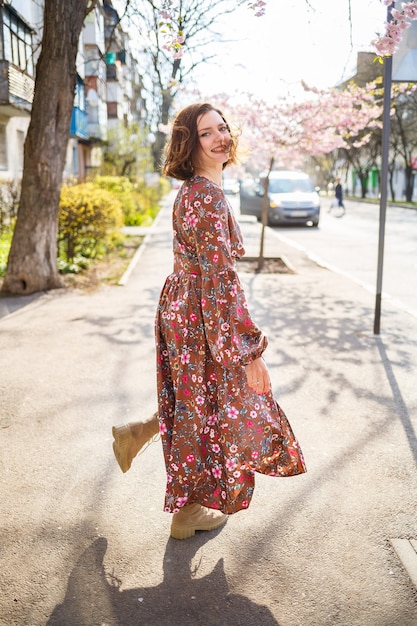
point(233, 337)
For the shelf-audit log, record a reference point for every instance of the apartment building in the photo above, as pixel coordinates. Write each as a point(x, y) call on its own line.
point(21, 25)
point(105, 93)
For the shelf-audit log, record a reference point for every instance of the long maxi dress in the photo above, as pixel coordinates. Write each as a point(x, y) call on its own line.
point(216, 432)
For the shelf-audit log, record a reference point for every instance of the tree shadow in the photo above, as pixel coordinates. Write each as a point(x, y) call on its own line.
point(10, 304)
point(94, 597)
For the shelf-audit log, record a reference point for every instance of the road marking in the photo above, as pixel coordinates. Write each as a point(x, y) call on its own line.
point(406, 550)
point(319, 261)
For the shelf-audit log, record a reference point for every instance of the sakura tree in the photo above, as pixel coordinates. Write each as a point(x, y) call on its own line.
point(284, 133)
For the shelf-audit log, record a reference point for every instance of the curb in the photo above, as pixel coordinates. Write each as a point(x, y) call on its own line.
point(136, 257)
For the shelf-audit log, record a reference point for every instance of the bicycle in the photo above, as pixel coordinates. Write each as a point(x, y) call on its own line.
point(337, 209)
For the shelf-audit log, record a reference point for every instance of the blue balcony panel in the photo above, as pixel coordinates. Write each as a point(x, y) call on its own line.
point(79, 125)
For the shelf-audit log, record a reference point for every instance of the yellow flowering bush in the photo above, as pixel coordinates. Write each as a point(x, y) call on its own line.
point(89, 222)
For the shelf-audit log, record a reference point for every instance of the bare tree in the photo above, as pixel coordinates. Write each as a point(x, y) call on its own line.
point(165, 73)
point(32, 263)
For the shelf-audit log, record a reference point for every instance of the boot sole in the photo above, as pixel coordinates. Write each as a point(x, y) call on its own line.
point(121, 443)
point(184, 532)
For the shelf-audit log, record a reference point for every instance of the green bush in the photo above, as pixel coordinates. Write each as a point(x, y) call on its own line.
point(89, 223)
point(5, 243)
point(125, 192)
point(140, 202)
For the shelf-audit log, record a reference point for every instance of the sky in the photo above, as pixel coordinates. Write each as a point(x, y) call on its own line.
point(296, 40)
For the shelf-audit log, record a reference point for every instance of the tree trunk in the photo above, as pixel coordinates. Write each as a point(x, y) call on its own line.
point(160, 137)
point(264, 215)
point(32, 263)
point(409, 183)
point(363, 177)
point(391, 172)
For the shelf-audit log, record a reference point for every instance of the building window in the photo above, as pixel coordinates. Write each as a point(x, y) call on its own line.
point(17, 41)
point(3, 148)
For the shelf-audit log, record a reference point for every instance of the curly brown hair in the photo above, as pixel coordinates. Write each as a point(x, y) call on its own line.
point(184, 141)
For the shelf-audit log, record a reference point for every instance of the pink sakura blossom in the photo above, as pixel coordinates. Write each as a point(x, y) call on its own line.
point(410, 10)
point(175, 40)
point(395, 30)
point(388, 43)
point(258, 7)
point(289, 130)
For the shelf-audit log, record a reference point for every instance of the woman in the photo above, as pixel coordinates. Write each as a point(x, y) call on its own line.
point(218, 419)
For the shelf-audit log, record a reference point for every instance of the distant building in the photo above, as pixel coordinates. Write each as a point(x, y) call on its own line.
point(19, 22)
point(367, 70)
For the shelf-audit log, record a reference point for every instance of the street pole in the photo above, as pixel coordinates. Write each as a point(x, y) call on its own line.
point(384, 181)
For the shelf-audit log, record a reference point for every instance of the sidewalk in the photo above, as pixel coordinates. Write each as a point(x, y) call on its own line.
point(82, 544)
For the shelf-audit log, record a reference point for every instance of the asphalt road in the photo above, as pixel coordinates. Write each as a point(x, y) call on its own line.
point(349, 246)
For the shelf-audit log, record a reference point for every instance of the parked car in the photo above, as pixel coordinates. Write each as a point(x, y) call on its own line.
point(292, 199)
point(231, 185)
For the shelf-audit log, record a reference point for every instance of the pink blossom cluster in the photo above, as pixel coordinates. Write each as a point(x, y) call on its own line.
point(290, 130)
point(169, 28)
point(259, 7)
point(174, 37)
point(387, 44)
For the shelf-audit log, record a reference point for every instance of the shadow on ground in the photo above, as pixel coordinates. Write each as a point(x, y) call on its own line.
point(94, 597)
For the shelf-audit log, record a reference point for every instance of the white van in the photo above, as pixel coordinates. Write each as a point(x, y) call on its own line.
point(292, 199)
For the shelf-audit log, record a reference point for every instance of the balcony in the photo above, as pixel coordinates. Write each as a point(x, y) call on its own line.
point(79, 124)
point(97, 120)
point(16, 90)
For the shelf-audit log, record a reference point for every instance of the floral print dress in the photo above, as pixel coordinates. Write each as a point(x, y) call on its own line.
point(216, 431)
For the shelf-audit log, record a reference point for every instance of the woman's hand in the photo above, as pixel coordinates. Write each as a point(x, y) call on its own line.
point(257, 376)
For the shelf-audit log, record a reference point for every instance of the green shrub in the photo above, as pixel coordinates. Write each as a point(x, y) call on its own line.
point(89, 223)
point(140, 202)
point(125, 192)
point(5, 243)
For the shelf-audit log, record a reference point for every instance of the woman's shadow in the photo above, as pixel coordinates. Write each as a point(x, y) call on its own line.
point(93, 597)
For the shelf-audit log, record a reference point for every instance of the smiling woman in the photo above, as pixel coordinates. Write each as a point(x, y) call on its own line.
point(219, 421)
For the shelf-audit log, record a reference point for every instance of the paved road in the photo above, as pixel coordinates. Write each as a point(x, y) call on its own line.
point(349, 245)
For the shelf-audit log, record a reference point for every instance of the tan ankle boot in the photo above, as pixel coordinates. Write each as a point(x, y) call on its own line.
point(195, 517)
point(130, 438)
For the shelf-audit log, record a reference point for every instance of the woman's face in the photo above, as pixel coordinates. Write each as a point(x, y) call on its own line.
point(214, 140)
